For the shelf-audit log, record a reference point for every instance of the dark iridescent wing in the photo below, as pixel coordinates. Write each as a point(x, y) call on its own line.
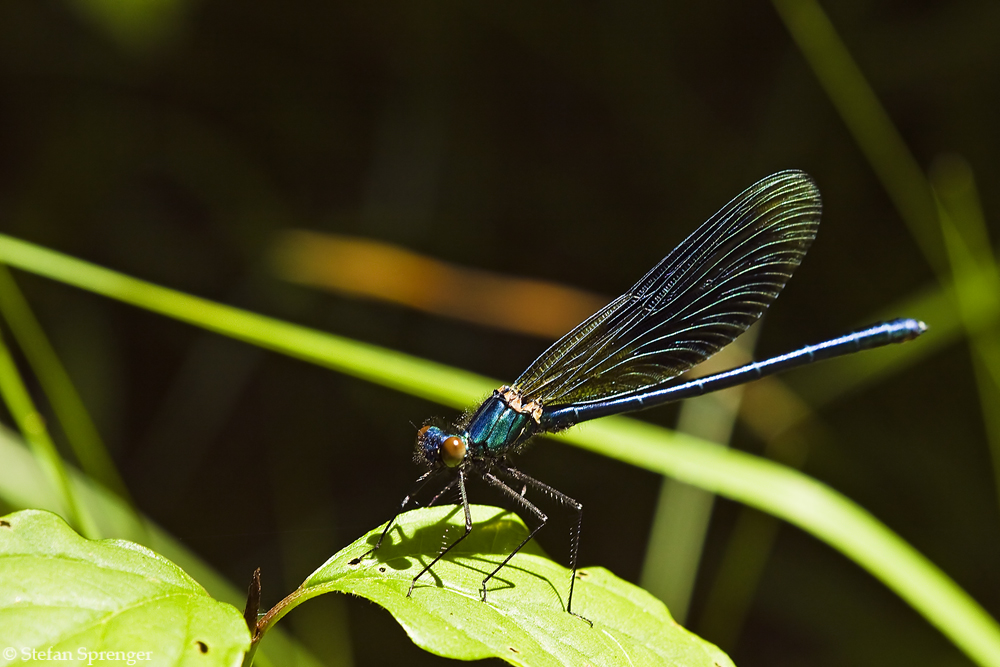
point(697, 300)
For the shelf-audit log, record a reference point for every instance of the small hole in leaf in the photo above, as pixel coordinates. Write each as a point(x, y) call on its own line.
point(382, 569)
point(513, 650)
point(202, 646)
point(4, 524)
point(354, 561)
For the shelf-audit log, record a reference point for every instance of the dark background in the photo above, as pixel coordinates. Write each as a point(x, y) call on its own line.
point(575, 142)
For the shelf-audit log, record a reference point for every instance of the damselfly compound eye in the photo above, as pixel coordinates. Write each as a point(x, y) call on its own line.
point(452, 451)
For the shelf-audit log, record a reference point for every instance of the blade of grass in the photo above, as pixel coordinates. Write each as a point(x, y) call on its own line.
point(737, 579)
point(768, 486)
point(868, 122)
point(790, 422)
point(970, 256)
point(32, 426)
point(911, 193)
point(787, 423)
point(810, 505)
point(81, 433)
point(368, 362)
point(750, 544)
point(789, 427)
point(683, 512)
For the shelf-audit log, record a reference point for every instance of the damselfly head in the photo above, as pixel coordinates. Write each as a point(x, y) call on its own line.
point(437, 448)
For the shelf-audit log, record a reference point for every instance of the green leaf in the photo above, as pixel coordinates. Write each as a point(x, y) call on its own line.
point(523, 619)
point(62, 593)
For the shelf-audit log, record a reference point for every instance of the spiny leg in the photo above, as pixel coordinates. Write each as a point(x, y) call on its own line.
point(448, 487)
point(468, 529)
point(563, 499)
point(493, 480)
point(417, 487)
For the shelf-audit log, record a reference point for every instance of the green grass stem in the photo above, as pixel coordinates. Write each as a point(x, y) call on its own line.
point(951, 235)
point(432, 381)
point(81, 433)
point(867, 120)
point(810, 505)
point(976, 288)
point(29, 420)
point(683, 512)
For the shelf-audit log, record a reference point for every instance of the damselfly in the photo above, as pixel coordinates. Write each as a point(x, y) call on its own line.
point(628, 355)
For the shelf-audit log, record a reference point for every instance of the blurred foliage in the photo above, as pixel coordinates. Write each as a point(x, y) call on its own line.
point(139, 25)
point(567, 142)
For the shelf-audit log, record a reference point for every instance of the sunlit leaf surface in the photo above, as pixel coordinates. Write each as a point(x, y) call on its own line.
point(62, 595)
point(523, 619)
